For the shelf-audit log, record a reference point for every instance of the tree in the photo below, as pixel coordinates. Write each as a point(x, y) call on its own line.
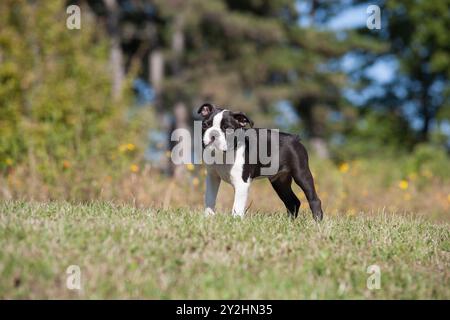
point(243, 54)
point(416, 35)
point(51, 106)
point(116, 60)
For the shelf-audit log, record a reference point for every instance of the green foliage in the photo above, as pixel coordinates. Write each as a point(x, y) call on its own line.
point(420, 31)
point(55, 103)
point(375, 133)
point(251, 54)
point(416, 35)
point(56, 110)
point(429, 160)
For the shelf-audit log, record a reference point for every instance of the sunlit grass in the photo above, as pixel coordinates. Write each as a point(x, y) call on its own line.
point(125, 252)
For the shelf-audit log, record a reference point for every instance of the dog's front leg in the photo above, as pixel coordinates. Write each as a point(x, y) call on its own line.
point(241, 190)
point(212, 187)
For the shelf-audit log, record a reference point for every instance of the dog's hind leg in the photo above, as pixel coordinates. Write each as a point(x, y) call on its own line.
point(306, 182)
point(282, 186)
point(303, 177)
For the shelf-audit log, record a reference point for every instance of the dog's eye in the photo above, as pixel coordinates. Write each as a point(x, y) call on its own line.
point(204, 125)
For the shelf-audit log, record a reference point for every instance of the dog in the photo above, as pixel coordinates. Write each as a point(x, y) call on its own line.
point(292, 158)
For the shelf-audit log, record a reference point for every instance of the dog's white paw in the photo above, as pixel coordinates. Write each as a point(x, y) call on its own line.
point(209, 212)
point(237, 215)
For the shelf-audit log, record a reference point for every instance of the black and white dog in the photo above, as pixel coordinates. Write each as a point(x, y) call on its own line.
point(292, 157)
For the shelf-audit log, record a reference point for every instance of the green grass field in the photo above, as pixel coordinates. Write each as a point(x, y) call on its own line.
point(124, 252)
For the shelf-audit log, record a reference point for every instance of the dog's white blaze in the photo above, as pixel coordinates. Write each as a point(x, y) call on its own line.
point(220, 141)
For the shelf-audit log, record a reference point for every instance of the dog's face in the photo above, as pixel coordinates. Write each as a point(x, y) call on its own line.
point(217, 121)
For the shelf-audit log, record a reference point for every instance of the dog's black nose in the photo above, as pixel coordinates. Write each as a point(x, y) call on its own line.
point(214, 134)
point(212, 138)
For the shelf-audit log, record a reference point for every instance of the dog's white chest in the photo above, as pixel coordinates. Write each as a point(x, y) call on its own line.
point(231, 173)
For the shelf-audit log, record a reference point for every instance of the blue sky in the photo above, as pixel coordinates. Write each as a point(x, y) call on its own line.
point(351, 18)
point(383, 70)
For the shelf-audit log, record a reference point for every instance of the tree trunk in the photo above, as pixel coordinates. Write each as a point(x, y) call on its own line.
point(156, 78)
point(320, 147)
point(156, 72)
point(425, 113)
point(178, 44)
point(181, 121)
point(181, 114)
point(116, 55)
point(313, 117)
point(424, 131)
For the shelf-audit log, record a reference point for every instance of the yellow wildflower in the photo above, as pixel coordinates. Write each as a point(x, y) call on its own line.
point(195, 182)
point(9, 161)
point(343, 167)
point(190, 167)
point(134, 168)
point(412, 176)
point(403, 184)
point(66, 164)
point(126, 147)
point(427, 173)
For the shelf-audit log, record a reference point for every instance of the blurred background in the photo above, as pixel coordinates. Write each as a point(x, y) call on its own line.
point(86, 114)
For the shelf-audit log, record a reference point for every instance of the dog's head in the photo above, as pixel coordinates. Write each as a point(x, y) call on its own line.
point(217, 122)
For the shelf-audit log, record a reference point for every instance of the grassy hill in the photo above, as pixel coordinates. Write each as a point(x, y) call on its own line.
point(125, 252)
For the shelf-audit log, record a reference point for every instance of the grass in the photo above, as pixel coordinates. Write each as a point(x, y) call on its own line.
point(126, 252)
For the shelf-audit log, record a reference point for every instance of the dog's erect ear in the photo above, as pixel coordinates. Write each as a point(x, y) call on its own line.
point(206, 109)
point(242, 119)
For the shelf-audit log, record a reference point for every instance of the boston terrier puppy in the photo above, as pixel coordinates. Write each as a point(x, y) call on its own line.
point(292, 162)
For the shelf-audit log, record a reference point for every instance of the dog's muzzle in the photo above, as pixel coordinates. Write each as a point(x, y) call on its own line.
point(214, 137)
point(211, 141)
